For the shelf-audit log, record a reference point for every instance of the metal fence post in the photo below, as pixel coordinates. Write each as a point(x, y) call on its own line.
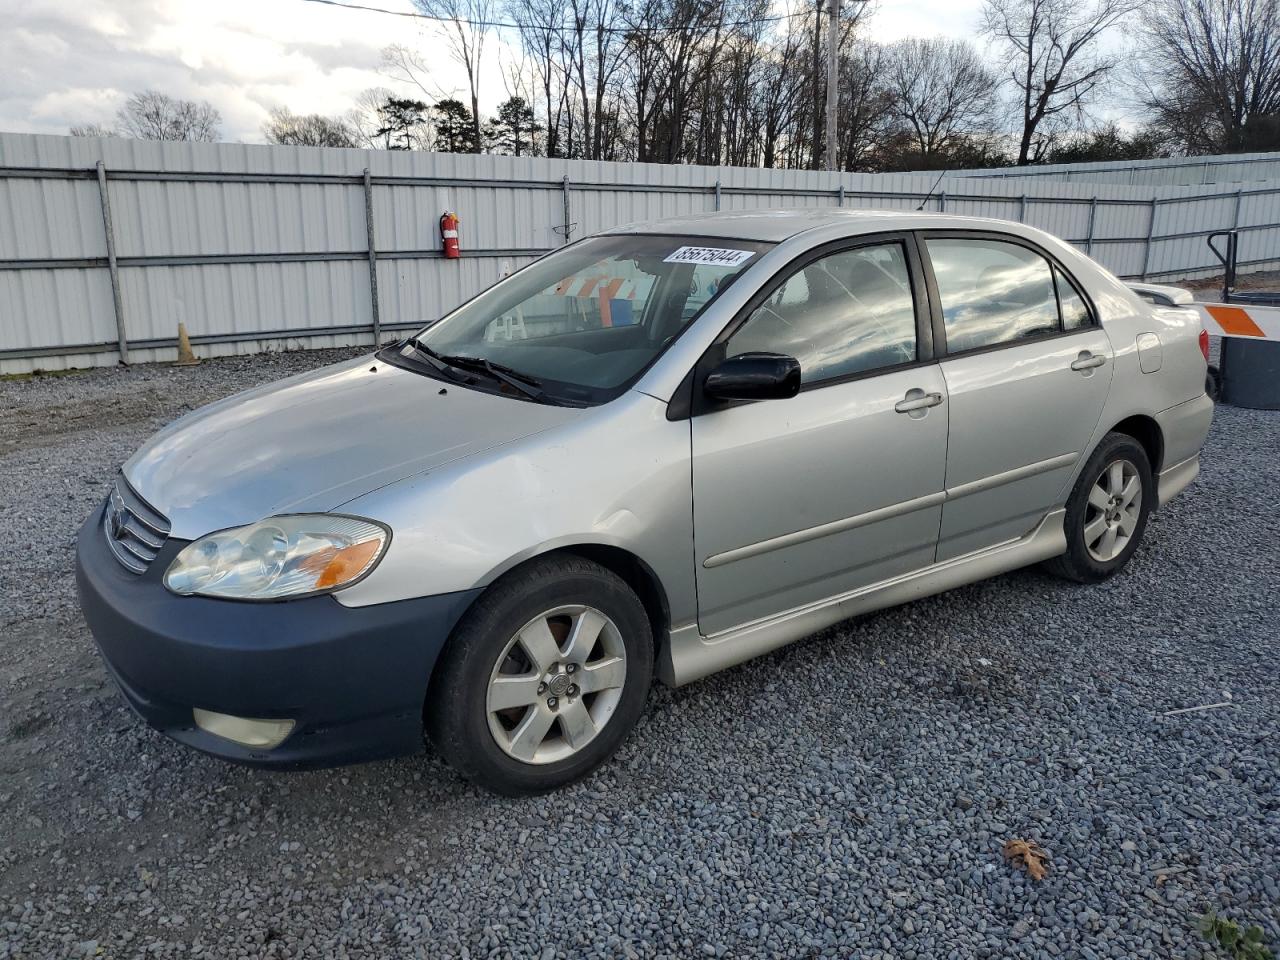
point(840, 196)
point(942, 202)
point(1235, 220)
point(1151, 233)
point(373, 257)
point(717, 194)
point(568, 227)
point(1022, 209)
point(122, 342)
point(1093, 216)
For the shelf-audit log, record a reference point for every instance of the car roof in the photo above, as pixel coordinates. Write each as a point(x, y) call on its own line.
point(777, 225)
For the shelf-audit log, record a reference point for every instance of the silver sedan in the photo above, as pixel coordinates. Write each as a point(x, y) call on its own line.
point(661, 450)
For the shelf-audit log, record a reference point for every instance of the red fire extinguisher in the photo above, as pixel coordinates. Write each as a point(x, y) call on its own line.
point(449, 235)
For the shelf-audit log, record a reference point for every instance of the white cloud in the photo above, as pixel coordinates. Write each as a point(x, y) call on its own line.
point(65, 62)
point(895, 19)
point(76, 61)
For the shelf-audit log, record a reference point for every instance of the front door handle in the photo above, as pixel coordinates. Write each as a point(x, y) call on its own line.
point(1087, 361)
point(917, 400)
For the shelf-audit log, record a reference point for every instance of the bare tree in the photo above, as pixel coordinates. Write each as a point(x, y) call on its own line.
point(864, 108)
point(690, 47)
point(732, 81)
point(152, 115)
point(465, 25)
point(539, 23)
point(365, 121)
point(1210, 70)
point(645, 69)
point(729, 128)
point(1056, 64)
point(785, 101)
point(307, 130)
point(941, 91)
point(92, 130)
point(593, 55)
point(407, 66)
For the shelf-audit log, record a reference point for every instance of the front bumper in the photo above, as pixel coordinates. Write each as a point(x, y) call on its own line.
point(352, 678)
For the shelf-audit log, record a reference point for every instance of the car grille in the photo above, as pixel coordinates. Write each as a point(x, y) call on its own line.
point(135, 532)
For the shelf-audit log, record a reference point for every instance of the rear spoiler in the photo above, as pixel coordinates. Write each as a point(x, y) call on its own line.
point(1248, 320)
point(1161, 295)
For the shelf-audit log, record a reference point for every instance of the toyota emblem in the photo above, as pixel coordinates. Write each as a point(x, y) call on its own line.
point(119, 517)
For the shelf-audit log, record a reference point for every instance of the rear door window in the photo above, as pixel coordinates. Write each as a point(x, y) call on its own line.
point(992, 292)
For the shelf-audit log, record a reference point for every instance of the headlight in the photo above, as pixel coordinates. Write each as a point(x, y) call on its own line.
point(289, 556)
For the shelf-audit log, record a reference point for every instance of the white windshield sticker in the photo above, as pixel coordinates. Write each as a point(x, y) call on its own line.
point(710, 256)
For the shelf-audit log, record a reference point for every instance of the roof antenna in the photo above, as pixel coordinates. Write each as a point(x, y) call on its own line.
point(929, 196)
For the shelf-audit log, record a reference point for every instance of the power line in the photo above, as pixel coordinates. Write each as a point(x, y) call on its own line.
point(503, 25)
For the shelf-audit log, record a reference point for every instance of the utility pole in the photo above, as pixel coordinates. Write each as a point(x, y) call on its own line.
point(833, 80)
point(815, 156)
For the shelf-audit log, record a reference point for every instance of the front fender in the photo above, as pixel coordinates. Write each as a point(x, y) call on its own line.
point(619, 477)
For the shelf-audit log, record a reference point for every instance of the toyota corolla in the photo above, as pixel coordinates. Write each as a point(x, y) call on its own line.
point(662, 450)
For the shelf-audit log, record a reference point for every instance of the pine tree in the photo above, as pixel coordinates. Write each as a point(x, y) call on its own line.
point(399, 121)
point(455, 129)
point(514, 130)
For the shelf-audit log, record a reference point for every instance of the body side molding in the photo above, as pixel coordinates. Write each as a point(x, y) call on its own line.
point(825, 529)
point(889, 512)
point(1011, 476)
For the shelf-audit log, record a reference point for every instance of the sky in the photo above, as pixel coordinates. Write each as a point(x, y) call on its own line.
point(65, 62)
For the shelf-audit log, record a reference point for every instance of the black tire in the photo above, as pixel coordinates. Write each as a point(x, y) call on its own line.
point(1078, 563)
point(1213, 383)
point(456, 715)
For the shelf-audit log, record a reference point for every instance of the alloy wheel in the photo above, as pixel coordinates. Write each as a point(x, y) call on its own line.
point(556, 684)
point(1113, 511)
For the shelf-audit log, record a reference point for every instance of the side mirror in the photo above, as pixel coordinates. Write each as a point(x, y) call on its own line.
point(754, 376)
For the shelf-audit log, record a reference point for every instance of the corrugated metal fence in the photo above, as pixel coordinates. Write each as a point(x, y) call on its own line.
point(107, 244)
point(1179, 171)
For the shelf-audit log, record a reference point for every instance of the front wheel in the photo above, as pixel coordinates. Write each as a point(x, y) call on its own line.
point(543, 679)
point(1107, 512)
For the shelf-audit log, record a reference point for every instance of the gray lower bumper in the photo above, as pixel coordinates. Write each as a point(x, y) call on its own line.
point(1177, 478)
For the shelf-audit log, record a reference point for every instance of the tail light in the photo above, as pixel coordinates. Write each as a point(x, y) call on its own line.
point(1204, 344)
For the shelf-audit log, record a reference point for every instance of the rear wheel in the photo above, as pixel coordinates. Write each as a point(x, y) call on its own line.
point(1213, 383)
point(543, 679)
point(1107, 511)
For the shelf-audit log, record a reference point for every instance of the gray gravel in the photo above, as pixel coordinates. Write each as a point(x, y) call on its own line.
point(848, 796)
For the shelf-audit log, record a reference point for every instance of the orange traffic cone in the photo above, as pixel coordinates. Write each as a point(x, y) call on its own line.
point(185, 356)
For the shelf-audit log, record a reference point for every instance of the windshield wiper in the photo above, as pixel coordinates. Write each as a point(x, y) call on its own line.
point(531, 387)
point(456, 368)
point(436, 361)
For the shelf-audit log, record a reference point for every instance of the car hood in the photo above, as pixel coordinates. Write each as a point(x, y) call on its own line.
point(315, 441)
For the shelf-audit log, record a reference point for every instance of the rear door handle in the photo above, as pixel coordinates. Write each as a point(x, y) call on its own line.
point(1087, 361)
point(921, 401)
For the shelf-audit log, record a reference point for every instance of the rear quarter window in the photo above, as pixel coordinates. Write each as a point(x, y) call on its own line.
point(1075, 313)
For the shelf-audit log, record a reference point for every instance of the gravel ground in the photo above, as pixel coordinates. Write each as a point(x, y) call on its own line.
point(848, 796)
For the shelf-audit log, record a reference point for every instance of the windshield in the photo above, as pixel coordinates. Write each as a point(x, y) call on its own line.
point(582, 323)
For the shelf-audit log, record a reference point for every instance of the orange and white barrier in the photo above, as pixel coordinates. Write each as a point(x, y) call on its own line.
point(1249, 321)
point(614, 293)
point(608, 288)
